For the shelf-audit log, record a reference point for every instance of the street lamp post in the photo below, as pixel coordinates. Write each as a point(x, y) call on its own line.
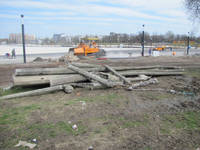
point(143, 41)
point(23, 39)
point(188, 43)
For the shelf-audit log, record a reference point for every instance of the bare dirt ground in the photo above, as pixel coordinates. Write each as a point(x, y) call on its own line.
point(111, 119)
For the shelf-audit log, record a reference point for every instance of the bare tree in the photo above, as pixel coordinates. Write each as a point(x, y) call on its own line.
point(193, 7)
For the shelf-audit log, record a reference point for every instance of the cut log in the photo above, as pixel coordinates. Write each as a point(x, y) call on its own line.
point(64, 70)
point(68, 89)
point(93, 85)
point(142, 84)
point(35, 92)
point(50, 71)
point(65, 79)
point(151, 73)
point(117, 74)
point(92, 76)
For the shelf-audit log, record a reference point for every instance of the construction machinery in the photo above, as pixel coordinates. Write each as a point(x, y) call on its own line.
point(88, 49)
point(160, 48)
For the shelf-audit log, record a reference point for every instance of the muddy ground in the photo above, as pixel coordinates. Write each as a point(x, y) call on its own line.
point(111, 119)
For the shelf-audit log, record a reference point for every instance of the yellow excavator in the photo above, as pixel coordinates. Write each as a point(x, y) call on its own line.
point(89, 49)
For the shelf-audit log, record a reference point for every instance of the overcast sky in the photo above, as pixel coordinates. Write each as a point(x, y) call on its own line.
point(46, 17)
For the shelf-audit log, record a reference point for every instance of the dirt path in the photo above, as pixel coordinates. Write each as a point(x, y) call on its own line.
point(6, 71)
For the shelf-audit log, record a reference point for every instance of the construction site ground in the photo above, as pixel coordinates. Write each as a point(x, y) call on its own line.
point(114, 119)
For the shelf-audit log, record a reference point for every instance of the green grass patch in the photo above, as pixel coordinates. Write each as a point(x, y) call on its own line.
point(149, 95)
point(133, 124)
point(13, 117)
point(195, 73)
point(181, 121)
point(146, 148)
point(51, 130)
point(128, 122)
point(106, 98)
point(16, 90)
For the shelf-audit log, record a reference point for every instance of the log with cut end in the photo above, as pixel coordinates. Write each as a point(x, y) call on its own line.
point(92, 76)
point(117, 74)
point(38, 92)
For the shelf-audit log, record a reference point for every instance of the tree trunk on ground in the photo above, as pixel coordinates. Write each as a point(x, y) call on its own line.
point(65, 79)
point(63, 70)
point(92, 76)
point(142, 84)
point(117, 74)
point(37, 92)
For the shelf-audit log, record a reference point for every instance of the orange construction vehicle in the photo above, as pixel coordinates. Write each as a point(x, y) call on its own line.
point(90, 49)
point(160, 48)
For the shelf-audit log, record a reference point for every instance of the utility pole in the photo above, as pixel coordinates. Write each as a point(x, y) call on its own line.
point(142, 41)
point(188, 43)
point(23, 39)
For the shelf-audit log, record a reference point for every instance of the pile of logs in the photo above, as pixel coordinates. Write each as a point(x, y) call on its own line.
point(83, 75)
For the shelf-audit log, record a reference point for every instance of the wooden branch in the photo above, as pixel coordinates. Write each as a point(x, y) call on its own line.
point(92, 76)
point(35, 92)
point(117, 74)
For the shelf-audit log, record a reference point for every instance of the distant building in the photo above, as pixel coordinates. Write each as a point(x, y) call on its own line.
point(17, 38)
point(61, 38)
point(3, 41)
point(58, 37)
